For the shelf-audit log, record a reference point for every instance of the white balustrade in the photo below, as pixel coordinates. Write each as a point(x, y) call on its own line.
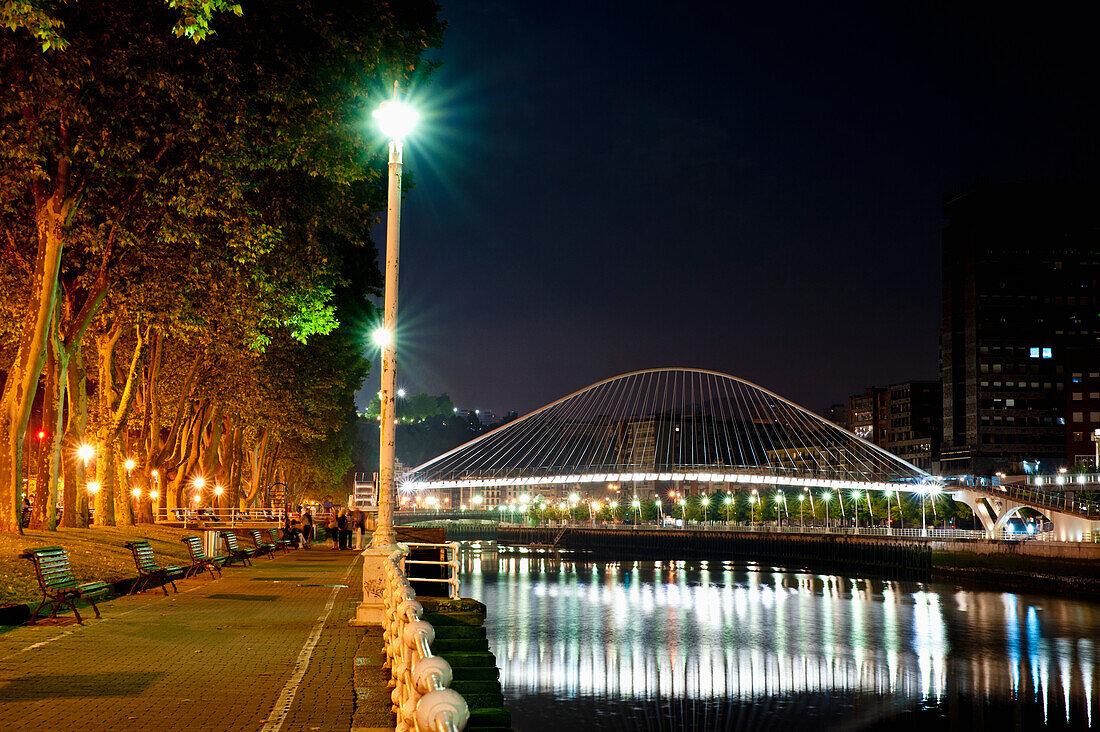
point(422, 697)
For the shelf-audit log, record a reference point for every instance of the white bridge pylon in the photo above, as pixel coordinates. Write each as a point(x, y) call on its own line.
point(671, 425)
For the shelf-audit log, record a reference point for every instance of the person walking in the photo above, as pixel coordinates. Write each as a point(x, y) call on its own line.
point(307, 528)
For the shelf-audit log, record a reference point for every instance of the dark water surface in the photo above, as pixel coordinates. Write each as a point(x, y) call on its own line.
point(586, 645)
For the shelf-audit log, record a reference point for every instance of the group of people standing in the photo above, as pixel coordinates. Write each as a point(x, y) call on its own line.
point(340, 525)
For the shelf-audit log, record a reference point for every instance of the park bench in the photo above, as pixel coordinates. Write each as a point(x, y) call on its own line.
point(149, 572)
point(55, 579)
point(234, 550)
point(262, 547)
point(277, 540)
point(199, 560)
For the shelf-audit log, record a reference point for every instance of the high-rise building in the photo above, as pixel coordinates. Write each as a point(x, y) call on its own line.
point(1021, 292)
point(913, 422)
point(901, 418)
point(867, 415)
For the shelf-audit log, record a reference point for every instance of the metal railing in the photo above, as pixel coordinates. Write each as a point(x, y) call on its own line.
point(223, 517)
point(422, 697)
point(450, 562)
point(906, 533)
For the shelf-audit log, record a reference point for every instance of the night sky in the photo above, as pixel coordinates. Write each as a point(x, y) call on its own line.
point(753, 188)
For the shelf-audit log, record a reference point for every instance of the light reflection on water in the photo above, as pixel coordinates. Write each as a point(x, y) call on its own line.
point(698, 645)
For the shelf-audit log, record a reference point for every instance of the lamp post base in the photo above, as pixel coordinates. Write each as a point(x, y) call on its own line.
point(372, 609)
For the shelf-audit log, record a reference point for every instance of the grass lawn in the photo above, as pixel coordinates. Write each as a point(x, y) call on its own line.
point(96, 554)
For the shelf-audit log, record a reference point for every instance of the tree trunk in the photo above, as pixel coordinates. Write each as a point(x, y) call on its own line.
point(75, 495)
point(22, 379)
point(44, 515)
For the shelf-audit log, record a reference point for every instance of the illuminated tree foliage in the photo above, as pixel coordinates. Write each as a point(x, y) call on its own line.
point(191, 209)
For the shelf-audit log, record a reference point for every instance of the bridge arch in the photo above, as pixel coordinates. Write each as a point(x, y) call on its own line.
point(670, 424)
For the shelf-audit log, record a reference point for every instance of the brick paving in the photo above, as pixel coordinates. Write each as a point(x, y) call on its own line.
point(217, 656)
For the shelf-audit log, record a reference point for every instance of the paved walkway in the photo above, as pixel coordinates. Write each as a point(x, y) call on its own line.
point(263, 648)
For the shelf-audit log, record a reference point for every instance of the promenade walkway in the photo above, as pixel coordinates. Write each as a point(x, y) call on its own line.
point(263, 648)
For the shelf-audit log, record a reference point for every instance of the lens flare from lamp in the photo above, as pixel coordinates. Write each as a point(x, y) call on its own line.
point(395, 119)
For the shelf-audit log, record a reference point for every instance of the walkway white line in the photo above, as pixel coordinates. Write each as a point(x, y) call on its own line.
point(282, 705)
point(99, 621)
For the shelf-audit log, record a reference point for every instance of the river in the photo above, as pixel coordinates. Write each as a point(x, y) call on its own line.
point(674, 645)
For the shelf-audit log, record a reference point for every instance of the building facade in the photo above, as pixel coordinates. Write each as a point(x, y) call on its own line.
point(1021, 268)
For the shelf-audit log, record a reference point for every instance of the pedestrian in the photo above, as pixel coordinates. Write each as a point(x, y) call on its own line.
point(344, 522)
point(334, 529)
point(307, 528)
point(360, 528)
point(293, 534)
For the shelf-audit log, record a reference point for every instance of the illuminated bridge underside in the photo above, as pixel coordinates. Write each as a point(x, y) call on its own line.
point(670, 425)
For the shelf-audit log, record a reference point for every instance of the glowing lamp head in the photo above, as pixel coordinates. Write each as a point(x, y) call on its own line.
point(129, 464)
point(218, 490)
point(93, 487)
point(155, 473)
point(635, 503)
point(705, 501)
point(382, 337)
point(396, 119)
point(729, 500)
point(613, 505)
point(85, 452)
point(154, 495)
point(826, 496)
point(196, 498)
point(41, 434)
point(400, 393)
point(199, 483)
point(136, 493)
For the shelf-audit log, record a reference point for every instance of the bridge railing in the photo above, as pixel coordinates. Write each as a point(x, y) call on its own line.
point(422, 697)
point(1061, 501)
point(906, 533)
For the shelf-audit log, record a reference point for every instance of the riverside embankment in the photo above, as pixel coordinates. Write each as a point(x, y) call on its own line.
point(1018, 565)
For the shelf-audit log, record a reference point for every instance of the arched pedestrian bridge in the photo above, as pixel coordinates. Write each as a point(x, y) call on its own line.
point(671, 425)
point(683, 425)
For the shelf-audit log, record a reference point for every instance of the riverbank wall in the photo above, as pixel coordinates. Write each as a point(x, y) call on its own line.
point(1025, 565)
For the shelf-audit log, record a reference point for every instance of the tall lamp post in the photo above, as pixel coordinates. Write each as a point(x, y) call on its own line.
point(396, 121)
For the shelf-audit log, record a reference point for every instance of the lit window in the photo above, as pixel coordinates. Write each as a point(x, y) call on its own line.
point(1048, 353)
point(1077, 396)
point(1033, 352)
point(1094, 417)
point(1078, 416)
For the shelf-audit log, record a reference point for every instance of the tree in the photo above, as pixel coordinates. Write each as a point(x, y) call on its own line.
point(127, 142)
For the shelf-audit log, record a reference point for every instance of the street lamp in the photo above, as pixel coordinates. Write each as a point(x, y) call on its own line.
point(801, 510)
point(855, 505)
point(752, 508)
point(396, 121)
point(660, 514)
point(827, 496)
point(637, 505)
point(704, 501)
point(728, 502)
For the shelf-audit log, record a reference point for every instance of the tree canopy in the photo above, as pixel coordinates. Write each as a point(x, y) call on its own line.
point(202, 212)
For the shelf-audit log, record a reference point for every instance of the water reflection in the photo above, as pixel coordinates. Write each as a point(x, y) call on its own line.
point(717, 645)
